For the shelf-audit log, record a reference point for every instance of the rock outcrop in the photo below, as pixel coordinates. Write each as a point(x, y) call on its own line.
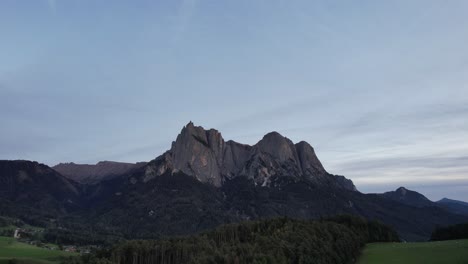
point(205, 155)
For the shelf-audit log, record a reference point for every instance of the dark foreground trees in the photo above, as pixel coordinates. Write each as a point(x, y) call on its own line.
point(338, 240)
point(450, 232)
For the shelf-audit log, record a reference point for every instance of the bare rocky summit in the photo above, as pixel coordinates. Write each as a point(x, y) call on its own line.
point(205, 155)
point(203, 181)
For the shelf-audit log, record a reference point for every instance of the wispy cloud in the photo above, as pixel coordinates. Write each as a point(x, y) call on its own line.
point(183, 18)
point(52, 5)
point(408, 162)
point(419, 146)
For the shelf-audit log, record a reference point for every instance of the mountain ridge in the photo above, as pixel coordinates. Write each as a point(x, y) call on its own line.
point(203, 181)
point(205, 155)
point(93, 173)
point(455, 206)
point(408, 197)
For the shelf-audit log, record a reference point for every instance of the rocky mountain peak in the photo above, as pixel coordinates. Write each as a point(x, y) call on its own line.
point(409, 197)
point(309, 161)
point(402, 191)
point(278, 147)
point(197, 152)
point(205, 155)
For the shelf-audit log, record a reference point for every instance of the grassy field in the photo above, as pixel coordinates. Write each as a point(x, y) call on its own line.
point(9, 249)
point(441, 252)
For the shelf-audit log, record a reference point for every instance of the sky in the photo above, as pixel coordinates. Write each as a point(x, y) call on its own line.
point(378, 88)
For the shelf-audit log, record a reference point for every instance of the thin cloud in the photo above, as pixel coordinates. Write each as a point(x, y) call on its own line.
point(52, 5)
point(184, 16)
point(407, 162)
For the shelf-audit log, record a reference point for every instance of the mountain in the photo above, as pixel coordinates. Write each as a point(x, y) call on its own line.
point(454, 206)
point(408, 197)
point(91, 174)
point(202, 182)
point(205, 155)
point(35, 191)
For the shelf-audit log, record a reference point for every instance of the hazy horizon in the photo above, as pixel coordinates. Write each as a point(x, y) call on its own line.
point(379, 89)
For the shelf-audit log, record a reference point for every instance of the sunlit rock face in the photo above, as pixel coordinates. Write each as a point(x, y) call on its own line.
point(198, 152)
point(205, 155)
point(273, 155)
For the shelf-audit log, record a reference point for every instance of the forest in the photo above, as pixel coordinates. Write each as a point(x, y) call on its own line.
point(335, 240)
point(452, 232)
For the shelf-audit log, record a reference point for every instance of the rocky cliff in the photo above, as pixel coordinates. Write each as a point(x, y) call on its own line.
point(205, 155)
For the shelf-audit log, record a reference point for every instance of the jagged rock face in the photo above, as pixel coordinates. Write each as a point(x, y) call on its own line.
point(278, 147)
point(345, 183)
point(205, 155)
point(198, 153)
point(158, 167)
point(310, 164)
point(234, 158)
point(274, 155)
point(195, 152)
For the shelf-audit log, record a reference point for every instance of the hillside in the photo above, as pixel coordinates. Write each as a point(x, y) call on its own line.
point(280, 240)
point(91, 174)
point(454, 206)
point(35, 192)
point(408, 197)
point(200, 183)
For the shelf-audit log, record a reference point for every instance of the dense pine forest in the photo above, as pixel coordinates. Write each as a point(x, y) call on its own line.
point(337, 240)
point(459, 231)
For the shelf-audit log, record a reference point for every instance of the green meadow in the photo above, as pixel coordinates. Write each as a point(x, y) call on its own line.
point(439, 252)
point(27, 254)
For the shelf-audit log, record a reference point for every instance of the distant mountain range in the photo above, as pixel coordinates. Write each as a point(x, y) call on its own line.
point(454, 206)
point(201, 182)
point(408, 197)
point(416, 199)
point(90, 174)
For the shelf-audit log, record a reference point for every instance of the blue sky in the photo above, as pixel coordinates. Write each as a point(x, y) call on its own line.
point(379, 88)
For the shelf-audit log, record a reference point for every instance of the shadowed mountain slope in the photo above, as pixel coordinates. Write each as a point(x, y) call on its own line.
point(454, 206)
point(408, 197)
point(204, 181)
point(91, 174)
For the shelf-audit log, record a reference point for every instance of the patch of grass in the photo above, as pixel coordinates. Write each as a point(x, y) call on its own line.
point(439, 252)
point(24, 253)
point(9, 227)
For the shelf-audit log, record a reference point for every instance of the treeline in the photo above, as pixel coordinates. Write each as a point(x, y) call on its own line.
point(79, 237)
point(327, 241)
point(459, 231)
